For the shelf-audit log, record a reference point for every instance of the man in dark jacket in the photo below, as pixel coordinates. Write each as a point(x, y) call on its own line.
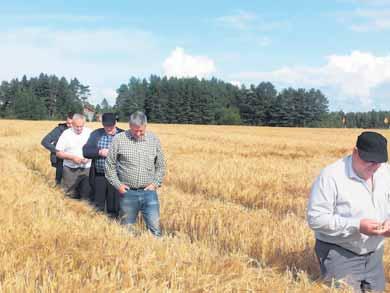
point(50, 141)
point(96, 148)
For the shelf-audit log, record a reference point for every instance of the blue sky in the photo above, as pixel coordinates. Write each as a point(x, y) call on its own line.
point(338, 46)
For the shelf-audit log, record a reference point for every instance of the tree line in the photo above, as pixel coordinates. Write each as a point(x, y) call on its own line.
point(43, 97)
point(183, 100)
point(200, 101)
point(371, 119)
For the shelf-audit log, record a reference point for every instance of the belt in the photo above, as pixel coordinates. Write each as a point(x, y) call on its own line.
point(77, 168)
point(332, 244)
point(137, 189)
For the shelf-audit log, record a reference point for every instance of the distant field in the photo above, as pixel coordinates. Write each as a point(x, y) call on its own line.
point(232, 207)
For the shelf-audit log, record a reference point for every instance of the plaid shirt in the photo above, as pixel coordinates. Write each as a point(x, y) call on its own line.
point(103, 143)
point(136, 163)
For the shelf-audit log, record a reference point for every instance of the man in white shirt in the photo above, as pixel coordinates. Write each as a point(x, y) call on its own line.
point(349, 211)
point(76, 168)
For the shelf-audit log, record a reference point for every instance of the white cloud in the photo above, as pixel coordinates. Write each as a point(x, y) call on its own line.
point(249, 21)
point(263, 42)
point(248, 27)
point(102, 59)
point(375, 2)
point(368, 16)
point(349, 78)
point(180, 64)
point(236, 83)
point(371, 20)
point(57, 17)
point(242, 20)
point(108, 93)
point(371, 13)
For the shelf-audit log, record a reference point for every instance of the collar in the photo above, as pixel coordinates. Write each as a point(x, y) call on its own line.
point(116, 132)
point(350, 171)
point(75, 133)
point(131, 137)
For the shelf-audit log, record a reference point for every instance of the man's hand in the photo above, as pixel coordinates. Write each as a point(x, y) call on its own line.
point(123, 188)
point(85, 161)
point(386, 228)
point(151, 187)
point(103, 152)
point(78, 160)
point(371, 227)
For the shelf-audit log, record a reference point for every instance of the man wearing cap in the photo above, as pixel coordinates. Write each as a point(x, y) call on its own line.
point(104, 194)
point(135, 166)
point(349, 210)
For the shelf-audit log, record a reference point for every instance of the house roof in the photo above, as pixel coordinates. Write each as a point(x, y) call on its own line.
point(88, 108)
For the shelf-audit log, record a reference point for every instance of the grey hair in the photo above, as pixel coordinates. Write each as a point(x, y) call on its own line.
point(138, 119)
point(78, 116)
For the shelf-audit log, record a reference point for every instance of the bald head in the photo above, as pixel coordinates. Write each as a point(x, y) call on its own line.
point(78, 122)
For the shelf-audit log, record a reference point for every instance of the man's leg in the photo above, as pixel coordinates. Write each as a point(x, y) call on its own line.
point(59, 166)
point(112, 200)
point(151, 212)
point(129, 208)
point(100, 192)
point(84, 186)
point(339, 265)
point(69, 182)
point(375, 275)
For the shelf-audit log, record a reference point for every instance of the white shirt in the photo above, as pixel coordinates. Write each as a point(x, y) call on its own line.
point(73, 143)
point(339, 199)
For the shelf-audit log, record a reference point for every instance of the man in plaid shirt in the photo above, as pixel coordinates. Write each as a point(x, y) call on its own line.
point(105, 196)
point(135, 167)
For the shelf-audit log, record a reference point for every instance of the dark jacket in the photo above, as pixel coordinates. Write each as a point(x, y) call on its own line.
point(91, 151)
point(51, 139)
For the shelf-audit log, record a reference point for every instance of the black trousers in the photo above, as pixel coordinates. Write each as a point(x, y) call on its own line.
point(59, 167)
point(106, 196)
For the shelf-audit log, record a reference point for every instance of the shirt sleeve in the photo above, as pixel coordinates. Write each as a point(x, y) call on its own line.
point(61, 144)
point(90, 149)
point(50, 139)
point(159, 165)
point(387, 195)
point(321, 214)
point(110, 168)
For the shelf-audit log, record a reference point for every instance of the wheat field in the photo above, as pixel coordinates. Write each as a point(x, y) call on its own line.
point(232, 211)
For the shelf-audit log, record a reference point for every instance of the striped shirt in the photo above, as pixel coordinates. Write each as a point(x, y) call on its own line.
point(136, 163)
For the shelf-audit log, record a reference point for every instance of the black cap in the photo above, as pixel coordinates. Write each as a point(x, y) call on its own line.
point(372, 147)
point(108, 119)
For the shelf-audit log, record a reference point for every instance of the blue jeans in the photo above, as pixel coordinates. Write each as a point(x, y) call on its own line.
point(145, 201)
